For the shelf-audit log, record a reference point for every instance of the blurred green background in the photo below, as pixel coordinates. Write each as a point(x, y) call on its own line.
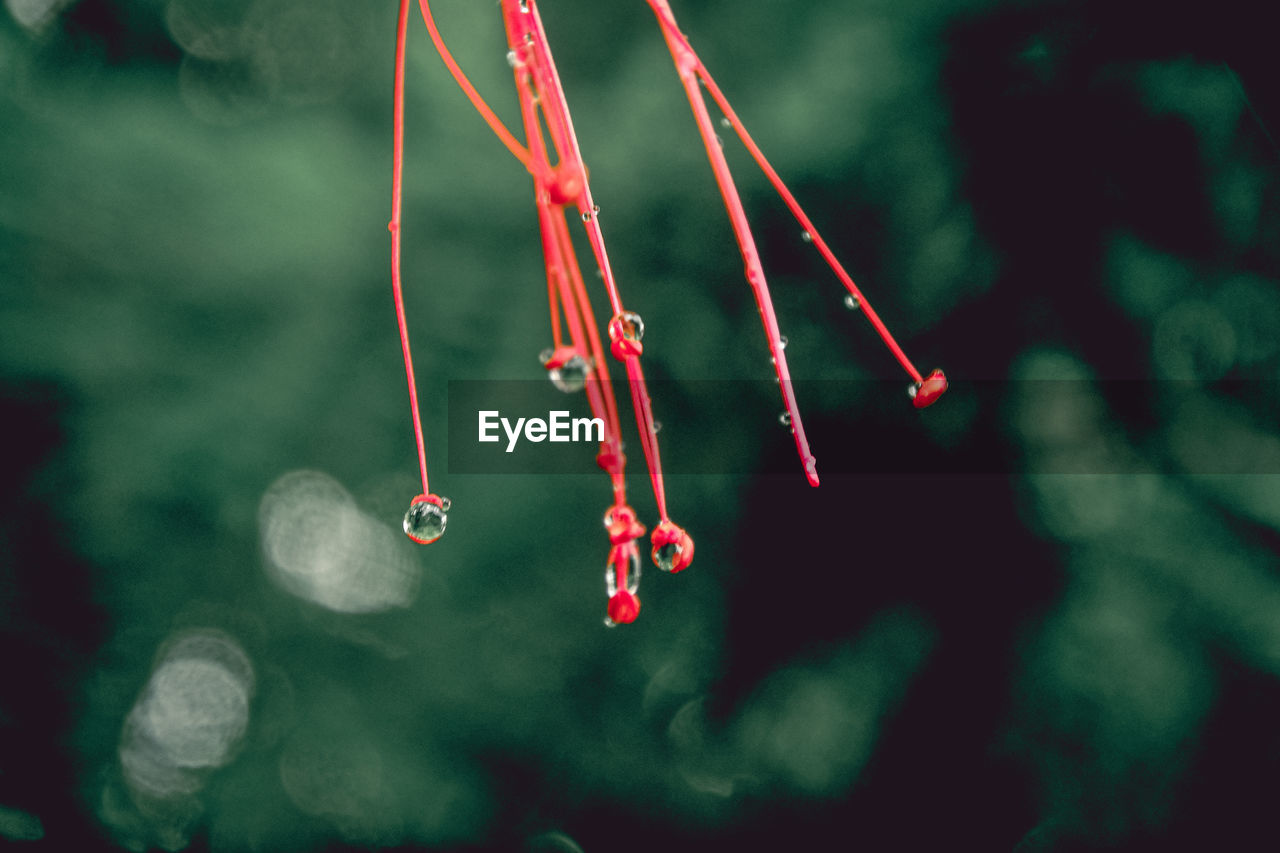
point(1056, 628)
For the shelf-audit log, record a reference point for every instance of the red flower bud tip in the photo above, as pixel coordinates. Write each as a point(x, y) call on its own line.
point(622, 525)
point(425, 521)
point(929, 390)
point(672, 547)
point(624, 607)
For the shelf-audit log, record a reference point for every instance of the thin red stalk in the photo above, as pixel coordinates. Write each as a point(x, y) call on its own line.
point(397, 180)
point(524, 29)
point(562, 264)
point(519, 151)
point(578, 318)
point(687, 64)
point(648, 434)
point(671, 30)
point(600, 363)
point(560, 125)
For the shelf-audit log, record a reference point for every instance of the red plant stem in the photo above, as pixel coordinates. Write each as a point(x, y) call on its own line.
point(397, 180)
point(676, 39)
point(687, 65)
point(519, 151)
point(559, 124)
point(528, 40)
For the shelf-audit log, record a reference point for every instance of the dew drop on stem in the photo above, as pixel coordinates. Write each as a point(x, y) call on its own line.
point(785, 419)
point(852, 302)
point(571, 376)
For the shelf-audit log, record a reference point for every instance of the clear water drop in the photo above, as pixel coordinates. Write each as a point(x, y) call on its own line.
point(913, 389)
point(546, 354)
point(425, 522)
point(667, 554)
point(806, 236)
point(782, 342)
point(633, 575)
point(445, 504)
point(586, 216)
point(724, 122)
point(852, 302)
point(632, 325)
point(719, 141)
point(657, 427)
point(595, 210)
point(513, 59)
point(785, 419)
point(524, 5)
point(570, 376)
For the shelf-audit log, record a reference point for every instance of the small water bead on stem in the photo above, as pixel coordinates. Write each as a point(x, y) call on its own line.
point(672, 547)
point(852, 302)
point(566, 367)
point(425, 521)
point(626, 330)
point(785, 419)
point(623, 569)
point(571, 377)
point(622, 580)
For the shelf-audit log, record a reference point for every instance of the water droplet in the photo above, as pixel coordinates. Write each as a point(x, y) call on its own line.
point(724, 122)
point(545, 355)
point(595, 209)
point(524, 5)
point(806, 236)
point(424, 522)
point(785, 419)
point(513, 59)
point(586, 216)
point(445, 504)
point(913, 389)
point(528, 38)
point(782, 342)
point(632, 326)
point(570, 376)
point(666, 556)
point(852, 302)
point(633, 574)
point(657, 426)
point(719, 141)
